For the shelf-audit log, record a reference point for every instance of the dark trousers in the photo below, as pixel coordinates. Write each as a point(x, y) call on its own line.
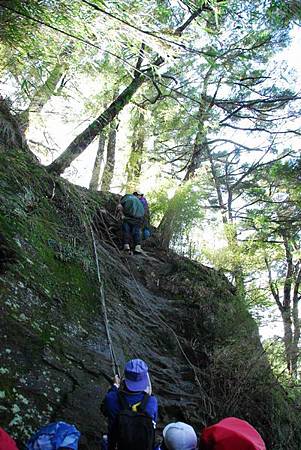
point(133, 231)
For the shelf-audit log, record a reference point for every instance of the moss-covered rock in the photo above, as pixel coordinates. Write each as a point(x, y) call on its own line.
point(183, 318)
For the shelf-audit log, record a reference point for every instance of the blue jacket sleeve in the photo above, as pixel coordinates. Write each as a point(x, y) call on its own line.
point(152, 408)
point(108, 401)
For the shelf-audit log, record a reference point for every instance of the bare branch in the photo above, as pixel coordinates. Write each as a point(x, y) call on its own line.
point(139, 61)
point(264, 130)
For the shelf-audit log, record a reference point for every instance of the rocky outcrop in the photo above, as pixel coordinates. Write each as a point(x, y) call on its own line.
point(182, 318)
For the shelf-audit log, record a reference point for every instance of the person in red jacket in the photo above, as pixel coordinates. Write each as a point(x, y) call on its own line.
point(231, 434)
point(6, 442)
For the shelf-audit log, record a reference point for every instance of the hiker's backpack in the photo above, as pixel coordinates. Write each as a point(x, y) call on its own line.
point(132, 206)
point(146, 233)
point(133, 428)
point(55, 435)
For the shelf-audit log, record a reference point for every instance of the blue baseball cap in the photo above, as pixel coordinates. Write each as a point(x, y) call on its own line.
point(136, 375)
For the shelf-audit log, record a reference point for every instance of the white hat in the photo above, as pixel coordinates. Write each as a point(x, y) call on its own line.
point(179, 436)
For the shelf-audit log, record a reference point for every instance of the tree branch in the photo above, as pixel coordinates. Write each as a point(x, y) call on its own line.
point(139, 61)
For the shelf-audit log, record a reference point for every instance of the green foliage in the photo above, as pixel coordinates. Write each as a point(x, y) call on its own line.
point(159, 201)
point(182, 211)
point(284, 13)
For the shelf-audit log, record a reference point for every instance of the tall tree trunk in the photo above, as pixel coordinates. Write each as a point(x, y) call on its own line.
point(288, 337)
point(296, 321)
point(218, 188)
point(81, 142)
point(133, 167)
point(287, 302)
point(94, 182)
point(110, 162)
point(288, 307)
point(43, 94)
point(200, 144)
point(11, 135)
point(198, 156)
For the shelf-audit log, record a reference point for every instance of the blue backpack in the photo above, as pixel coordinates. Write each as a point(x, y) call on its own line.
point(54, 436)
point(146, 233)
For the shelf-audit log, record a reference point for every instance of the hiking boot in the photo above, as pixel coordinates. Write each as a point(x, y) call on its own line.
point(138, 250)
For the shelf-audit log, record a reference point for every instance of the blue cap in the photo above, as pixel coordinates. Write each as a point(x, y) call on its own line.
point(136, 375)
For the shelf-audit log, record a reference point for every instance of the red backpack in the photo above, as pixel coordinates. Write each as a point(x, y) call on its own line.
point(231, 434)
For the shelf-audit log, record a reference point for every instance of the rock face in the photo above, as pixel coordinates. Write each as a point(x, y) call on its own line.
point(182, 318)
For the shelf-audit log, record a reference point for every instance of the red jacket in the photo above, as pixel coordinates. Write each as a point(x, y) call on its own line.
point(6, 442)
point(231, 434)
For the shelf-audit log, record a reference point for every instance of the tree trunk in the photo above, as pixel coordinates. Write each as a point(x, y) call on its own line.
point(94, 182)
point(200, 144)
point(288, 338)
point(218, 187)
point(11, 135)
point(199, 150)
point(110, 163)
point(133, 167)
point(296, 320)
point(43, 94)
point(81, 142)
point(287, 303)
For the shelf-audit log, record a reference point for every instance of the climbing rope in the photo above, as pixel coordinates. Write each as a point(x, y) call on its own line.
point(88, 225)
point(115, 367)
point(86, 221)
point(210, 405)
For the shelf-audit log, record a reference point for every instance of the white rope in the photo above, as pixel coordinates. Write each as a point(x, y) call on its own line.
point(103, 303)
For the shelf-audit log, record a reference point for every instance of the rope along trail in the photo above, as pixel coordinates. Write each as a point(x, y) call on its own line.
point(89, 226)
point(104, 308)
point(208, 402)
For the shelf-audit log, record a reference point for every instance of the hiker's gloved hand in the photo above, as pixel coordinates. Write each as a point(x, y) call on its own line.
point(116, 381)
point(119, 210)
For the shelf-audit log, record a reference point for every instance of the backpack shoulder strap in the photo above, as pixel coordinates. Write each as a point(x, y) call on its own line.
point(144, 402)
point(122, 400)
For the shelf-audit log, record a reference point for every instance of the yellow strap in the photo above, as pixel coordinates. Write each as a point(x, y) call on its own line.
point(135, 406)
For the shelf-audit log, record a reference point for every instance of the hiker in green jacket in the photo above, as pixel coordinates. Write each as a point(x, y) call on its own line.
point(132, 213)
